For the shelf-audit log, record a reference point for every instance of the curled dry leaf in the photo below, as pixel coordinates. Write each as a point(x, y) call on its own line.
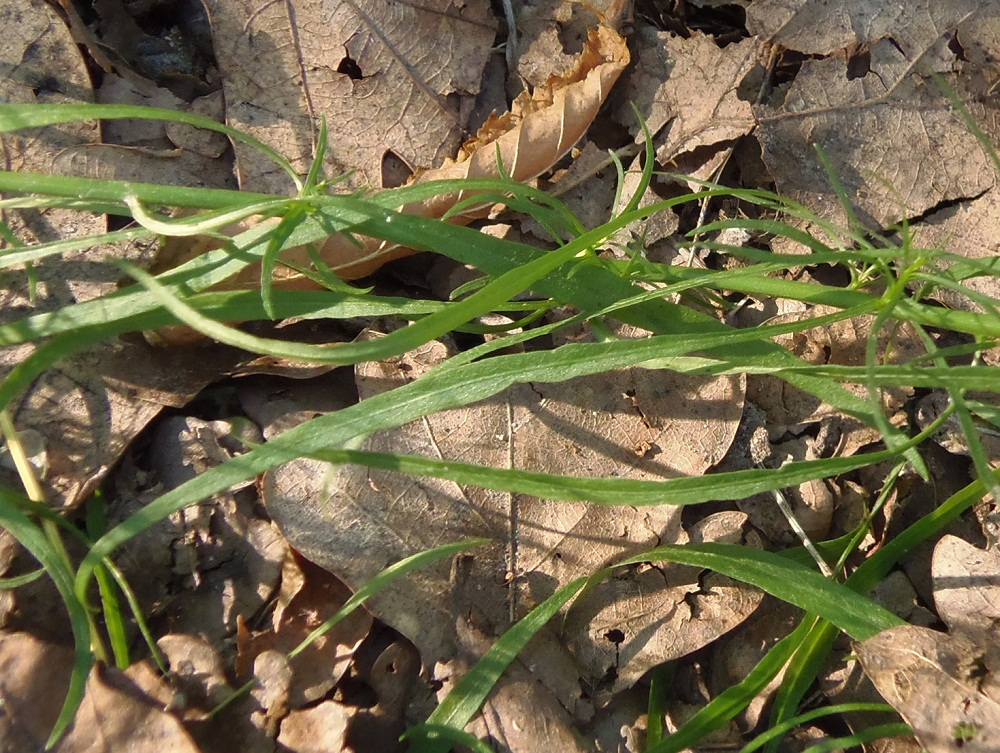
point(539, 129)
point(526, 141)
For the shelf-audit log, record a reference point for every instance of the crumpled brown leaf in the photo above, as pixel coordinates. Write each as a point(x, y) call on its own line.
point(688, 91)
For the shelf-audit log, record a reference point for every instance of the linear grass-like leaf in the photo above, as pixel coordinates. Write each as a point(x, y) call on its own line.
point(446, 738)
point(733, 699)
point(114, 192)
point(860, 738)
point(33, 539)
point(438, 390)
point(778, 731)
point(685, 490)
point(16, 581)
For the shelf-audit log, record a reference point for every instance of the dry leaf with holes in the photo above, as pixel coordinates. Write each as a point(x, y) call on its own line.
point(394, 79)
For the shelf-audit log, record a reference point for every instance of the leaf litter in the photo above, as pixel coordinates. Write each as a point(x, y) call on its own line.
point(398, 85)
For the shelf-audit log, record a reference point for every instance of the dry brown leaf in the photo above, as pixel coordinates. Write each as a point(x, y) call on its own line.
point(320, 666)
point(115, 714)
point(150, 150)
point(934, 681)
point(966, 585)
point(821, 27)
point(89, 407)
point(196, 670)
point(397, 78)
point(688, 91)
point(645, 615)
point(638, 424)
point(521, 713)
point(227, 556)
point(889, 132)
point(970, 229)
point(947, 686)
point(320, 729)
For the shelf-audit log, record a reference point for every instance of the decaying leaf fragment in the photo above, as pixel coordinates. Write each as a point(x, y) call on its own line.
point(120, 711)
point(688, 91)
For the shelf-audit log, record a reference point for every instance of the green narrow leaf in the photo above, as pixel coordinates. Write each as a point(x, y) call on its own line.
point(33, 539)
point(784, 578)
point(860, 738)
point(778, 731)
point(733, 699)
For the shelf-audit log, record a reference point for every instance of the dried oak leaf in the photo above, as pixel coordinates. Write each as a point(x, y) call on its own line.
point(889, 131)
point(821, 27)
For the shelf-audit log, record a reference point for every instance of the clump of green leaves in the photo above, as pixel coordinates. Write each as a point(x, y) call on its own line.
point(890, 280)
